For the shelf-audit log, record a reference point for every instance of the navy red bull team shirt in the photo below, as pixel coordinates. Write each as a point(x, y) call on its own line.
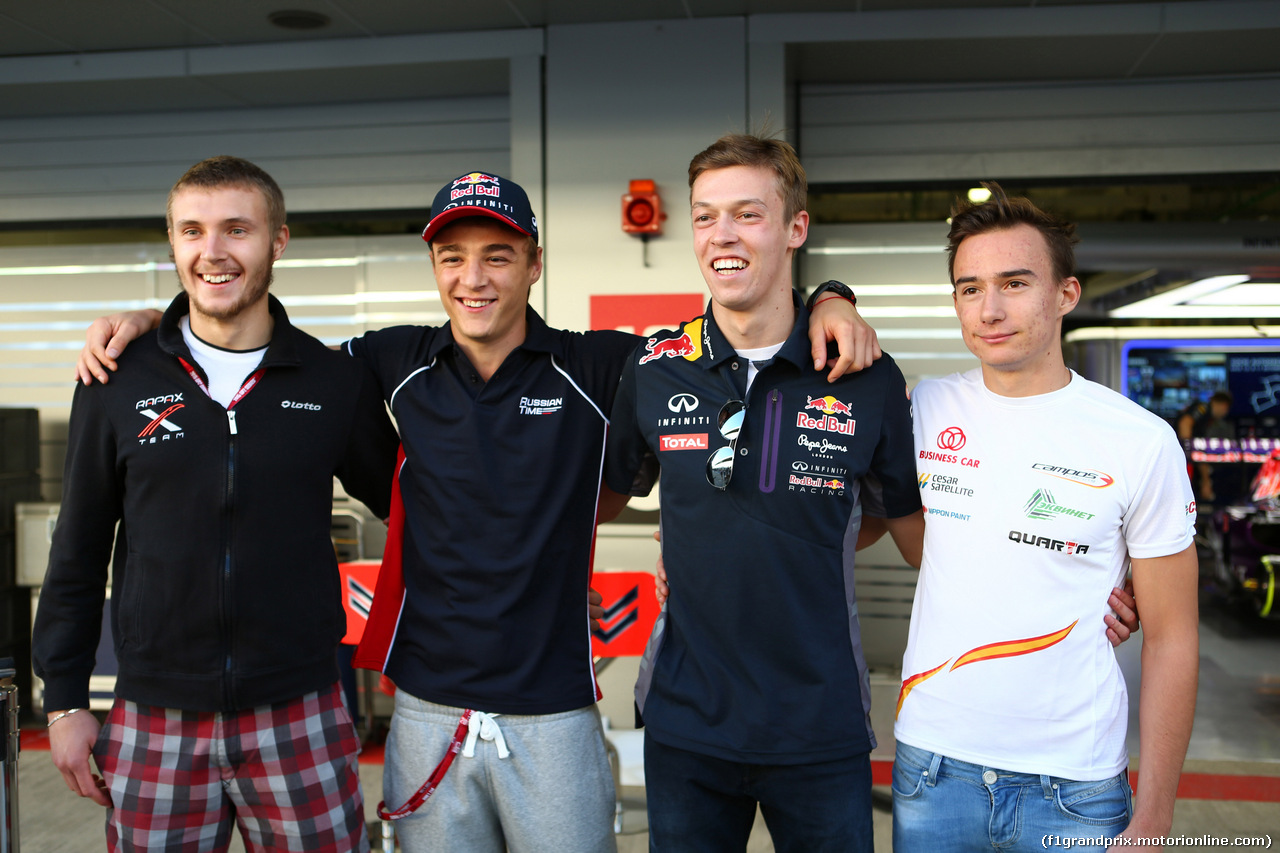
point(760, 657)
point(500, 487)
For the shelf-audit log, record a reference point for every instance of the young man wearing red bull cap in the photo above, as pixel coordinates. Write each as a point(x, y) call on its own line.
point(482, 622)
point(754, 690)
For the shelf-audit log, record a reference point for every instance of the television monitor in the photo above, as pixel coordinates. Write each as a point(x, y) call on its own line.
point(1167, 376)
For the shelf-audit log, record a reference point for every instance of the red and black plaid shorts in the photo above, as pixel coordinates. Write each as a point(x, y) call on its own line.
point(285, 773)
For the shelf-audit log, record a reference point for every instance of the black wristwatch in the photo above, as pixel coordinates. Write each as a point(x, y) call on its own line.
point(835, 288)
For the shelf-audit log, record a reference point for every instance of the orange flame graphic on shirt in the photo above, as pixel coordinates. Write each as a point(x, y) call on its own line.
point(1006, 649)
point(909, 683)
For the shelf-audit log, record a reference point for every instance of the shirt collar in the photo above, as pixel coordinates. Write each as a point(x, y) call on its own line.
point(539, 337)
point(280, 351)
point(717, 349)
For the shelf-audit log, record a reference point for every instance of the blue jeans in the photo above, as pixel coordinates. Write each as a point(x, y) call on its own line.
point(941, 804)
point(700, 804)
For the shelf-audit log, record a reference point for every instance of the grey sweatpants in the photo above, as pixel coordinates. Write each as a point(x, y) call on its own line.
point(553, 792)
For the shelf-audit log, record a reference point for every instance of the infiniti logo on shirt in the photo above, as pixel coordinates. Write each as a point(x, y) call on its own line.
point(682, 403)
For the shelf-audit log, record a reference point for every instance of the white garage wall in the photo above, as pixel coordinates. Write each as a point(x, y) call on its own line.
point(376, 155)
point(924, 132)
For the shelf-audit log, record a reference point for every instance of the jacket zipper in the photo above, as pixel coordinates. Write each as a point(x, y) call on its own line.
point(226, 561)
point(232, 431)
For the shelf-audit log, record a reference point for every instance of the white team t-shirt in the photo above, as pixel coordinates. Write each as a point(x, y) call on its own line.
point(1033, 507)
point(227, 369)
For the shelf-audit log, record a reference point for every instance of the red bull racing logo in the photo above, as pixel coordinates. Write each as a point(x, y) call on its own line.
point(806, 483)
point(830, 421)
point(474, 184)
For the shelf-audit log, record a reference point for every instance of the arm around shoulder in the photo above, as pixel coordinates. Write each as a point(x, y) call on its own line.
point(107, 337)
point(908, 534)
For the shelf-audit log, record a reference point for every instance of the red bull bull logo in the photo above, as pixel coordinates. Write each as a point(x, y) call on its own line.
point(828, 405)
point(474, 184)
point(681, 346)
point(476, 178)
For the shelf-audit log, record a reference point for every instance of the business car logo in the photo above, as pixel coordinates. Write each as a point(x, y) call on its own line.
point(952, 438)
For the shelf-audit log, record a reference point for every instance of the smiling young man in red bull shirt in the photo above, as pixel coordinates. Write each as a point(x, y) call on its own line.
point(754, 689)
point(1042, 488)
point(480, 615)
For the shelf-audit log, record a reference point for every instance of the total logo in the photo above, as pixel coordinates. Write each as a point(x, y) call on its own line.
point(687, 441)
point(1083, 476)
point(952, 438)
point(829, 422)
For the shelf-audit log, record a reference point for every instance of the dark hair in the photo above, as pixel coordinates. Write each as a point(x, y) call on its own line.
point(1000, 213)
point(1221, 397)
point(743, 149)
point(224, 171)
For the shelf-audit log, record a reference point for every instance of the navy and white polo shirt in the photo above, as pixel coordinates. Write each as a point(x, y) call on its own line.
point(760, 658)
point(500, 488)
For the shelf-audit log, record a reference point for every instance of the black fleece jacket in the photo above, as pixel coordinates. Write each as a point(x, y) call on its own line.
point(225, 590)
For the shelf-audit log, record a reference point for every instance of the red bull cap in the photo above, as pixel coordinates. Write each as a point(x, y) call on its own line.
point(482, 194)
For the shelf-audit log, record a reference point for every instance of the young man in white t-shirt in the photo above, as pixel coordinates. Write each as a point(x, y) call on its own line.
point(1041, 490)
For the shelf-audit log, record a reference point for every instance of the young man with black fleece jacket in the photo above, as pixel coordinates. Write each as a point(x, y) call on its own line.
point(215, 451)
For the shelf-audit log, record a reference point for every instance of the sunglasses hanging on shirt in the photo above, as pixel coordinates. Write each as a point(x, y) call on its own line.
point(720, 464)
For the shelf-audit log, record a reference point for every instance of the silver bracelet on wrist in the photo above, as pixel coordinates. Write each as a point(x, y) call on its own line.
point(63, 714)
